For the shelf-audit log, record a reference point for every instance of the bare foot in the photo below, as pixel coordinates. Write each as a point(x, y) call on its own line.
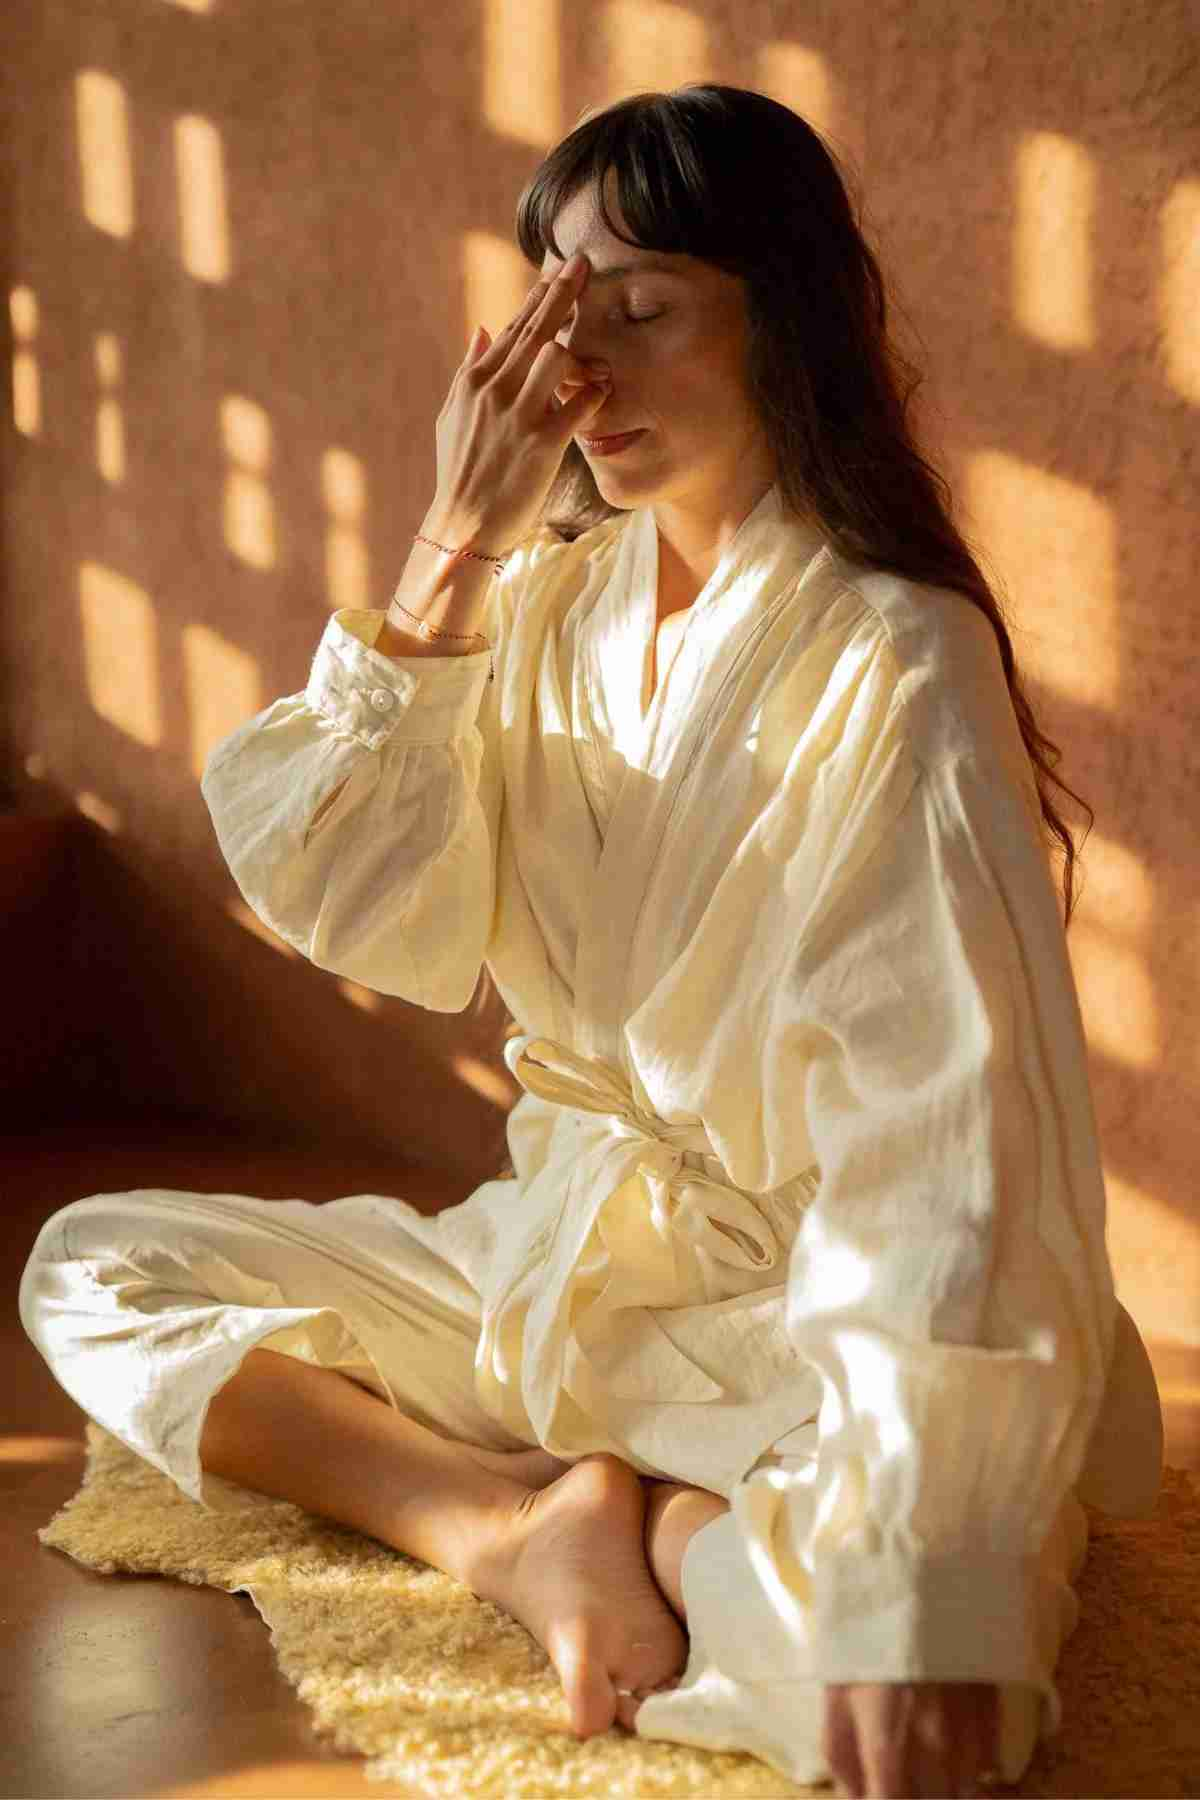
point(573, 1571)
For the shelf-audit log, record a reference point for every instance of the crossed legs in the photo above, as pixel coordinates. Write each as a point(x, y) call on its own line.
point(306, 1434)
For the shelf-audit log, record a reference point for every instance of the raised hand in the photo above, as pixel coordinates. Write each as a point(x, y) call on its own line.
point(898, 1740)
point(502, 431)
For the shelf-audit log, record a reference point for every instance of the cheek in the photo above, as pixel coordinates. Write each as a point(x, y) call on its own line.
point(674, 358)
point(696, 382)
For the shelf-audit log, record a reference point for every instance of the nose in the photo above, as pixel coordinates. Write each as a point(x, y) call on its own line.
point(570, 337)
point(568, 332)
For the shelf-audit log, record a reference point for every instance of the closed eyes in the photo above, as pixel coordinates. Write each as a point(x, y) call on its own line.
point(642, 318)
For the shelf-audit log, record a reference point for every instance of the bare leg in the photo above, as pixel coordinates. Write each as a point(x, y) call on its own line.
point(673, 1513)
point(303, 1433)
point(567, 1559)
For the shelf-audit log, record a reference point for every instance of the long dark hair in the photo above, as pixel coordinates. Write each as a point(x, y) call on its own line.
point(738, 180)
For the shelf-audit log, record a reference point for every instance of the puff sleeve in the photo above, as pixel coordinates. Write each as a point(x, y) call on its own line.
point(950, 1281)
point(359, 818)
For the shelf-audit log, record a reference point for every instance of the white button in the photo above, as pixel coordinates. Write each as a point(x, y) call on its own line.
point(383, 700)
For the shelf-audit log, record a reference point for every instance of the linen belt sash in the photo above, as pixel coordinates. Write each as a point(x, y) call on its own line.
point(682, 1199)
point(560, 1321)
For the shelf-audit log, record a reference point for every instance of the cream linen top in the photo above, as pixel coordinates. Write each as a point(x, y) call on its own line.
point(797, 1022)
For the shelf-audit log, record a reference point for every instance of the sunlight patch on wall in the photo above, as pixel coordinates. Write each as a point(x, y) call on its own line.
point(475, 1073)
point(653, 45)
point(26, 375)
point(249, 510)
point(1179, 289)
point(110, 420)
point(200, 190)
point(223, 690)
point(120, 652)
point(99, 811)
point(521, 75)
point(801, 79)
point(1059, 571)
point(363, 997)
point(1053, 225)
point(102, 141)
point(250, 921)
point(1107, 944)
point(495, 281)
point(1154, 1248)
point(344, 491)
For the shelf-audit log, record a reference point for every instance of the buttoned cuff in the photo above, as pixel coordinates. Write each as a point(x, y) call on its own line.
point(392, 699)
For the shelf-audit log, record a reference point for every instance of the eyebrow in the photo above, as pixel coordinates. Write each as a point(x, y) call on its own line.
point(648, 265)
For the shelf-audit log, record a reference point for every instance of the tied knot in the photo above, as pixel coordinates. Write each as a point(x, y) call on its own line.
point(711, 1213)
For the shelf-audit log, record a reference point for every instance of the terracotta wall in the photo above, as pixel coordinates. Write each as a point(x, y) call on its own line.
point(244, 248)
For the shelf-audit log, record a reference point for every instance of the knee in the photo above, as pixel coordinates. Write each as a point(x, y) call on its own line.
point(50, 1247)
point(89, 1219)
point(80, 1229)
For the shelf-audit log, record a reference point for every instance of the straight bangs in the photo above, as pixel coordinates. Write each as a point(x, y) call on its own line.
point(664, 191)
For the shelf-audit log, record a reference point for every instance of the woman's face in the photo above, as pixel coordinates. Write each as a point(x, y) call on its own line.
point(672, 329)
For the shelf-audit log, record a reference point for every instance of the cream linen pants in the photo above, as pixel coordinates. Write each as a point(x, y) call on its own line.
point(145, 1303)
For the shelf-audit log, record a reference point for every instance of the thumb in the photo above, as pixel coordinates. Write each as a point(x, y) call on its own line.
point(573, 412)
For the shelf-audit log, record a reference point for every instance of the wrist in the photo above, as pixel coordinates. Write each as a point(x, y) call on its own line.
point(459, 530)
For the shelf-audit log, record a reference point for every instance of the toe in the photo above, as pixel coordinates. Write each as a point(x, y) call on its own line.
point(629, 1705)
point(587, 1690)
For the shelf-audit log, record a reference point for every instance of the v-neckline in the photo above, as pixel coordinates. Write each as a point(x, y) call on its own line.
point(647, 598)
point(641, 763)
point(654, 675)
point(618, 733)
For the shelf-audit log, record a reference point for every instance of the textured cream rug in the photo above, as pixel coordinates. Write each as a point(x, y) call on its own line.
point(446, 1693)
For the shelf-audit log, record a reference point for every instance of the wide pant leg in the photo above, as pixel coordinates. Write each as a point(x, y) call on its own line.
point(145, 1303)
point(747, 1686)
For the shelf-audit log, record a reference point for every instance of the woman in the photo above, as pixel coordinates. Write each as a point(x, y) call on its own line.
point(793, 1323)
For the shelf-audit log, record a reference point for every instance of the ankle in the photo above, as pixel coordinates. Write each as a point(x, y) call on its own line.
point(464, 1522)
point(490, 1544)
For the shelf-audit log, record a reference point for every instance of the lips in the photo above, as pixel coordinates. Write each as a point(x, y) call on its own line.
point(605, 437)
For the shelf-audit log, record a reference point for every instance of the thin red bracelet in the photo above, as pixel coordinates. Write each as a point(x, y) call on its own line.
point(428, 630)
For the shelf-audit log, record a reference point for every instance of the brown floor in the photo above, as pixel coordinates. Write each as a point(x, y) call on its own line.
point(125, 1685)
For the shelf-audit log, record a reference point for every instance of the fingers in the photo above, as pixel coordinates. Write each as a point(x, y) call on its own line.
point(840, 1745)
point(480, 341)
point(580, 395)
point(535, 323)
point(909, 1739)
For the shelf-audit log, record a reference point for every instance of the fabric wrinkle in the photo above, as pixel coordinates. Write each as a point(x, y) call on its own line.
point(643, 1227)
point(806, 1206)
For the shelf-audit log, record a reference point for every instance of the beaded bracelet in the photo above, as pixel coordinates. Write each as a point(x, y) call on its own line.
point(428, 630)
point(423, 625)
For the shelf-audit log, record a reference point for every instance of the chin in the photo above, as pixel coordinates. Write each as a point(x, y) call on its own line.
point(623, 474)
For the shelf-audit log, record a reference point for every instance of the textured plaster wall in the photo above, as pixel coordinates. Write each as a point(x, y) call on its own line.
point(244, 248)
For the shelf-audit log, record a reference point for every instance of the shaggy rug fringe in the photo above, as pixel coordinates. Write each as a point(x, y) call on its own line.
point(447, 1694)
